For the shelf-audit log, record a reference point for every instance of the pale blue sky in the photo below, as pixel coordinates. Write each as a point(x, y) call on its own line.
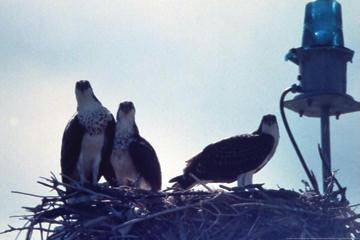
point(197, 71)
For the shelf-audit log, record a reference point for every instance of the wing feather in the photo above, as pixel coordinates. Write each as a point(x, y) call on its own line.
point(225, 160)
point(106, 168)
point(70, 148)
point(146, 162)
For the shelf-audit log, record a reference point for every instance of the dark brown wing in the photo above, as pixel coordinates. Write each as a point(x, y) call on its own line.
point(146, 162)
point(70, 148)
point(106, 168)
point(225, 160)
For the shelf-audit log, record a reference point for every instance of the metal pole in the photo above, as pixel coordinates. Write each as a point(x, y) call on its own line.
point(325, 145)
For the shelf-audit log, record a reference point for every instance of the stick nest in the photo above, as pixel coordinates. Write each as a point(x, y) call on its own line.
point(106, 213)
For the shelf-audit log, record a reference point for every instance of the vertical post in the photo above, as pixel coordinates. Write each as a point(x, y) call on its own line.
point(325, 145)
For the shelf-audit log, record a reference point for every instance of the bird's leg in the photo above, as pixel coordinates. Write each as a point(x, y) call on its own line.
point(245, 179)
point(128, 183)
point(136, 183)
point(249, 179)
point(95, 169)
point(79, 170)
point(241, 180)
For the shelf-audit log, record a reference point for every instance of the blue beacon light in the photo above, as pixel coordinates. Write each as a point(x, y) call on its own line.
point(323, 24)
point(322, 61)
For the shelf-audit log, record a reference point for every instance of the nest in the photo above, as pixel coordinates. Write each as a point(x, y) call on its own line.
point(105, 213)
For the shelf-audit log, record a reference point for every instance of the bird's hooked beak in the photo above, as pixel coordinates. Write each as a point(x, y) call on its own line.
point(84, 94)
point(269, 120)
point(82, 85)
point(125, 109)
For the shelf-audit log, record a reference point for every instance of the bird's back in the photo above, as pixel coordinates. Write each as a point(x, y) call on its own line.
point(226, 159)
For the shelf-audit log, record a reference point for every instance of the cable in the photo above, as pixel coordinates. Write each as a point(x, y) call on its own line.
point(295, 88)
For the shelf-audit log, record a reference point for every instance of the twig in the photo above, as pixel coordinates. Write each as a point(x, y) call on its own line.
point(31, 194)
point(253, 226)
point(200, 182)
point(327, 166)
point(152, 216)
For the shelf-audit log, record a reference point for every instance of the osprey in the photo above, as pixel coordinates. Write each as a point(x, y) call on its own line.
point(133, 159)
point(235, 158)
point(87, 139)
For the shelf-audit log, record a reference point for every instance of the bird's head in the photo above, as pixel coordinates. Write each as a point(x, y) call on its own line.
point(125, 118)
point(126, 111)
point(269, 125)
point(84, 94)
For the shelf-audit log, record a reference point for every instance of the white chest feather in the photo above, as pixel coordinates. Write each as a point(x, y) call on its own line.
point(123, 166)
point(90, 157)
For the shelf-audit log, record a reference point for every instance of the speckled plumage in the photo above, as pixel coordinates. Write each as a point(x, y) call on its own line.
point(122, 142)
point(95, 121)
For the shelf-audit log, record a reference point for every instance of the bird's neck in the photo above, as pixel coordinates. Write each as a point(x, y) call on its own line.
point(272, 130)
point(88, 106)
point(126, 128)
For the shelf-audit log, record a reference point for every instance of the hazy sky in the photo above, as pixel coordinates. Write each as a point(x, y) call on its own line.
point(197, 71)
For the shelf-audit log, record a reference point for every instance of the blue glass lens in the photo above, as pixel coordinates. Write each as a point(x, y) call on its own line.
point(323, 24)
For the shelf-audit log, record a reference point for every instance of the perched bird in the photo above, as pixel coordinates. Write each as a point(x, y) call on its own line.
point(87, 140)
point(235, 158)
point(133, 159)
